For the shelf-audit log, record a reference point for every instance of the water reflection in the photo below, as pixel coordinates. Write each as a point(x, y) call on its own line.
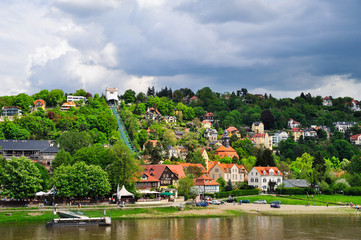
point(244, 227)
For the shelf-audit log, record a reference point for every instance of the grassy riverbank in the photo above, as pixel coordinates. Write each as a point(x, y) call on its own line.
point(291, 205)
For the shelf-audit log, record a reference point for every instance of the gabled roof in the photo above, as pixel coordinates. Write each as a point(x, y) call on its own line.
point(205, 180)
point(259, 135)
point(200, 166)
point(355, 137)
point(35, 145)
point(150, 179)
point(327, 98)
point(225, 166)
point(293, 121)
point(205, 121)
point(261, 170)
point(157, 170)
point(153, 110)
point(257, 123)
point(296, 130)
point(209, 114)
point(231, 129)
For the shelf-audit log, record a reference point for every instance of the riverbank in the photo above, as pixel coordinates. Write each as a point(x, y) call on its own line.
point(224, 210)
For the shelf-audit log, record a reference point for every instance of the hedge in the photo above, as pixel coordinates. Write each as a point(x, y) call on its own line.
point(353, 191)
point(294, 191)
point(234, 193)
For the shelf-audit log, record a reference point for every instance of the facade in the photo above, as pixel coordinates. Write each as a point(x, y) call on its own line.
point(41, 151)
point(278, 137)
point(147, 182)
point(206, 124)
point(153, 114)
point(172, 152)
point(111, 95)
point(210, 134)
point(234, 172)
point(205, 157)
point(11, 111)
point(343, 126)
point(209, 117)
point(327, 101)
point(262, 140)
point(40, 103)
point(310, 132)
point(356, 139)
point(260, 177)
point(297, 133)
point(170, 119)
point(206, 184)
point(71, 98)
point(293, 124)
point(166, 174)
point(354, 106)
point(257, 127)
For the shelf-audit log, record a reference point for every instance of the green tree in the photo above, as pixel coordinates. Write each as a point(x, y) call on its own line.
point(184, 185)
point(124, 167)
point(169, 137)
point(81, 180)
point(303, 167)
point(222, 183)
point(97, 155)
point(190, 140)
point(20, 178)
point(56, 97)
point(62, 158)
point(129, 96)
point(24, 101)
point(229, 186)
point(73, 141)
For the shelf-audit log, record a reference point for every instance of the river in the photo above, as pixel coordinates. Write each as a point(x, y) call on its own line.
point(243, 227)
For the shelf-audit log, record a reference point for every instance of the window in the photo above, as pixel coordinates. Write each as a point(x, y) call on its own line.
point(264, 180)
point(216, 170)
point(279, 180)
point(256, 179)
point(252, 180)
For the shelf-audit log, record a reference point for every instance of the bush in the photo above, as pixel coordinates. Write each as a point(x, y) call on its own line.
point(294, 191)
point(353, 191)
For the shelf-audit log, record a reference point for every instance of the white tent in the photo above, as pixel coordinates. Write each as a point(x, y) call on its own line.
point(41, 193)
point(123, 193)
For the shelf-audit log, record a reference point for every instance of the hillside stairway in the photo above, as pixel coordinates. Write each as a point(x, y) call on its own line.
point(122, 130)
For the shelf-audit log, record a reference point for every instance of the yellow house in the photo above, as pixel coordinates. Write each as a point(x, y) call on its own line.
point(258, 127)
point(233, 130)
point(297, 133)
point(263, 139)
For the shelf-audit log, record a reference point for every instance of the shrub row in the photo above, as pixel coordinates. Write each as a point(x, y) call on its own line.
point(353, 191)
point(294, 191)
point(234, 193)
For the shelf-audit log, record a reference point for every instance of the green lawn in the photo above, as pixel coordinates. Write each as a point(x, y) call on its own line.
point(320, 200)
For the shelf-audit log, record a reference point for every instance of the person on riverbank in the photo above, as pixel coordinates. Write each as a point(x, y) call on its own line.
point(327, 204)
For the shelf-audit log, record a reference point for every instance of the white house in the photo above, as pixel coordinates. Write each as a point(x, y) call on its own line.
point(356, 139)
point(210, 134)
point(71, 98)
point(327, 102)
point(278, 137)
point(206, 184)
point(293, 124)
point(354, 106)
point(260, 177)
point(343, 126)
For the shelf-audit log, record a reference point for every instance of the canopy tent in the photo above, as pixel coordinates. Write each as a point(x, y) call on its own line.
point(148, 192)
point(123, 193)
point(41, 193)
point(166, 194)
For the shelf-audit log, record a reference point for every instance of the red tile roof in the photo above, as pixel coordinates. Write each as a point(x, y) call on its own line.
point(39, 100)
point(150, 179)
point(355, 137)
point(259, 135)
point(205, 180)
point(222, 151)
point(231, 129)
point(297, 130)
point(209, 114)
point(260, 170)
point(225, 166)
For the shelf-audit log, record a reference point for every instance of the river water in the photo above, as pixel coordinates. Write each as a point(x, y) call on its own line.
point(243, 227)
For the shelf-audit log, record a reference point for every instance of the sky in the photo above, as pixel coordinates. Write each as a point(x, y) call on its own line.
point(278, 47)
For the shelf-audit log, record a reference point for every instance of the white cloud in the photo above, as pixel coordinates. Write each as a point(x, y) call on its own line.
point(334, 85)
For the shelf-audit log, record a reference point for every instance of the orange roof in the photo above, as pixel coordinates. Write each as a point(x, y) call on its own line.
point(157, 170)
point(177, 170)
point(225, 166)
point(150, 179)
point(205, 180)
point(296, 130)
point(260, 170)
point(185, 165)
point(209, 114)
point(222, 151)
point(205, 121)
point(69, 104)
point(231, 129)
point(39, 100)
